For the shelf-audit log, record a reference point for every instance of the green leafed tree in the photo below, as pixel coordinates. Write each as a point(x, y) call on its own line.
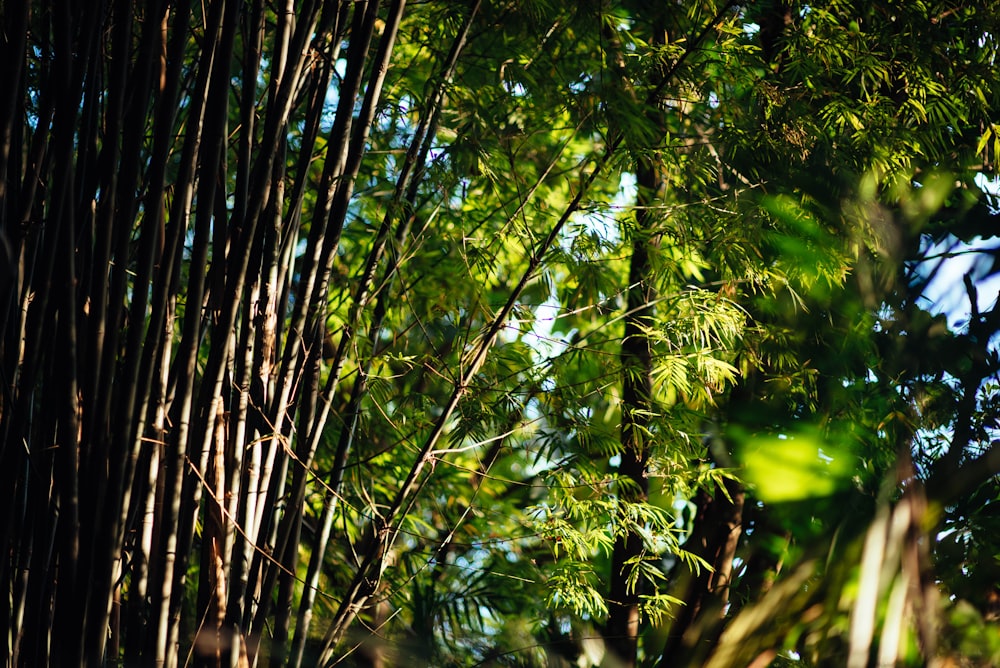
point(517, 332)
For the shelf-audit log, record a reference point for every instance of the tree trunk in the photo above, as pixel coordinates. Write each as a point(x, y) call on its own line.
point(718, 525)
point(637, 410)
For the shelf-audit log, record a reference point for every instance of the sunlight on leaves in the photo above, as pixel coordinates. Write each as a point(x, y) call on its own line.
point(794, 467)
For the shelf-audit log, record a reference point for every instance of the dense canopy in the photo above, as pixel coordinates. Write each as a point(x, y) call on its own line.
point(499, 332)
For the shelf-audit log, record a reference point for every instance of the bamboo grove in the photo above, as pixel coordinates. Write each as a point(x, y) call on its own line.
point(498, 332)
